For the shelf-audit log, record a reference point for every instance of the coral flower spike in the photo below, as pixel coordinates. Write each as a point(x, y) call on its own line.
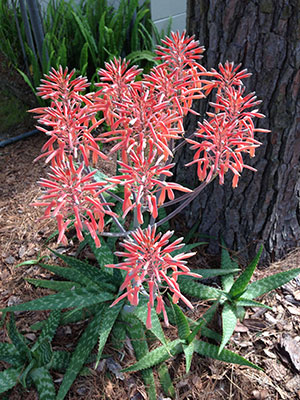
point(149, 265)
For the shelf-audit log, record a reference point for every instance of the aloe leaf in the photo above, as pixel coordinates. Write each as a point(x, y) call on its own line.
point(44, 383)
point(165, 380)
point(157, 356)
point(118, 335)
point(60, 360)
point(141, 313)
point(198, 290)
point(10, 354)
point(262, 286)
point(9, 378)
point(43, 353)
point(181, 322)
point(196, 329)
point(212, 351)
point(242, 281)
point(18, 339)
point(103, 254)
point(109, 317)
point(84, 346)
point(250, 303)
point(53, 285)
point(226, 264)
point(49, 329)
point(137, 336)
point(68, 299)
point(71, 274)
point(188, 352)
point(229, 321)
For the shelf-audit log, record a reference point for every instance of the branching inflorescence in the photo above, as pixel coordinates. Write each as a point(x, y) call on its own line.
point(144, 118)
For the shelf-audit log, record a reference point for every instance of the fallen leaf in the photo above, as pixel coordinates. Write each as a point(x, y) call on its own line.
point(292, 347)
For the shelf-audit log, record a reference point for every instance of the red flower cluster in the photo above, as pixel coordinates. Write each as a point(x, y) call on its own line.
point(148, 260)
point(230, 130)
point(69, 193)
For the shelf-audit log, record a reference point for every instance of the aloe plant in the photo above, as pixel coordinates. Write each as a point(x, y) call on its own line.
point(237, 294)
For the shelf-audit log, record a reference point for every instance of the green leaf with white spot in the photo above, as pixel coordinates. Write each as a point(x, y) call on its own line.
point(165, 380)
point(212, 351)
point(188, 352)
point(44, 383)
point(10, 354)
point(109, 317)
point(58, 286)
point(118, 335)
point(250, 303)
point(9, 378)
point(226, 264)
point(93, 273)
point(18, 339)
point(181, 322)
point(242, 281)
point(211, 273)
point(103, 254)
point(49, 329)
point(83, 349)
point(198, 290)
point(43, 353)
point(137, 336)
point(265, 285)
point(71, 274)
point(60, 361)
point(229, 321)
point(157, 356)
point(68, 299)
point(141, 313)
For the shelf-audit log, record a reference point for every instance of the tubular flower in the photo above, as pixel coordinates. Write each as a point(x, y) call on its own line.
point(142, 180)
point(69, 193)
point(148, 262)
point(142, 116)
point(71, 118)
point(230, 130)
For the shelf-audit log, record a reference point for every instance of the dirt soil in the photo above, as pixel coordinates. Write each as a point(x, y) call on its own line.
point(270, 338)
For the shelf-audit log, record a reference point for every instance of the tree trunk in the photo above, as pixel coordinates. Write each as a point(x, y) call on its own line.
point(265, 37)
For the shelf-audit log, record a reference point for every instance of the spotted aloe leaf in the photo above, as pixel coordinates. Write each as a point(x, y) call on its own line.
point(49, 329)
point(212, 351)
point(18, 339)
point(103, 254)
point(44, 383)
point(229, 320)
point(9, 378)
point(68, 299)
point(136, 332)
point(93, 273)
point(10, 354)
point(109, 317)
point(141, 313)
point(241, 283)
point(53, 285)
point(226, 264)
point(157, 356)
point(181, 322)
point(198, 290)
point(262, 286)
point(84, 346)
point(165, 380)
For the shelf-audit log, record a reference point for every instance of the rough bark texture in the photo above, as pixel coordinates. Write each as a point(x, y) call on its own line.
point(263, 35)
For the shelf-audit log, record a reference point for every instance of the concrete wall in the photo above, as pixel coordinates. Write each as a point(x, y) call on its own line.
point(162, 10)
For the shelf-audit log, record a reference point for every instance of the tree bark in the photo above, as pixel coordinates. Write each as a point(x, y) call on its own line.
point(263, 35)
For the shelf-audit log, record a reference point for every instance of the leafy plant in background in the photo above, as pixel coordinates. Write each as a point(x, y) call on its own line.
point(144, 118)
point(83, 36)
